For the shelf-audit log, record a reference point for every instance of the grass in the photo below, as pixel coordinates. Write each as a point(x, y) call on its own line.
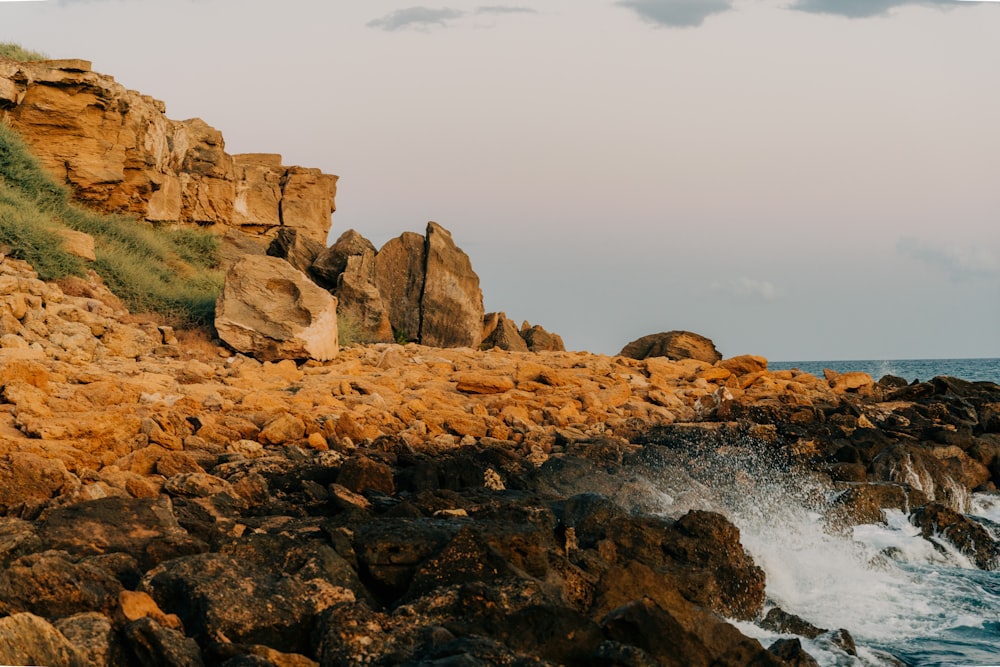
point(172, 273)
point(17, 52)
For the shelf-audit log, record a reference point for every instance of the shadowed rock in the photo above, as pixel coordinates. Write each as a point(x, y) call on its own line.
point(673, 345)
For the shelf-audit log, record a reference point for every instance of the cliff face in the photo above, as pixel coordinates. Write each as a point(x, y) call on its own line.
point(121, 154)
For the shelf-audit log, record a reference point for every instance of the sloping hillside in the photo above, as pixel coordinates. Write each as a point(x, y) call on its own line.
point(172, 272)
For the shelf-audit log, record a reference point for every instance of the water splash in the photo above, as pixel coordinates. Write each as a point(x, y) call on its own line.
point(895, 591)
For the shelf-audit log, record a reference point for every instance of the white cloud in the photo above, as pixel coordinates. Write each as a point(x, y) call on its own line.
point(749, 288)
point(505, 9)
point(863, 8)
point(959, 262)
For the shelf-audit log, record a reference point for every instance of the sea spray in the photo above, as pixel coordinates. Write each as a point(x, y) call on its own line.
point(897, 593)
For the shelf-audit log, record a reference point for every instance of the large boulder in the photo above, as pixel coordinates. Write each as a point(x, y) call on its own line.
point(271, 311)
point(539, 340)
point(360, 301)
point(399, 276)
point(452, 303)
point(673, 345)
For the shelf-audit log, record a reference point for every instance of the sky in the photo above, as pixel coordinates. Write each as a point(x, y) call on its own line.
point(798, 179)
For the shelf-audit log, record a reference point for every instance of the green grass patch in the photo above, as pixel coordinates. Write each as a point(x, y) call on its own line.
point(171, 272)
point(17, 52)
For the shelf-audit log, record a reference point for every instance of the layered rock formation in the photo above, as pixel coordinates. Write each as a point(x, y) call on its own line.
point(673, 345)
point(121, 154)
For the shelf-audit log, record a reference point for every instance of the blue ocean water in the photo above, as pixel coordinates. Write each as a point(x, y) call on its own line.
point(974, 370)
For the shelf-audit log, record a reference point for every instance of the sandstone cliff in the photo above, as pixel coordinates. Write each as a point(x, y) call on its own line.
point(120, 153)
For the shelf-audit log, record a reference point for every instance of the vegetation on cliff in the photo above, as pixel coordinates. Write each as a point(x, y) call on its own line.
point(18, 52)
point(172, 272)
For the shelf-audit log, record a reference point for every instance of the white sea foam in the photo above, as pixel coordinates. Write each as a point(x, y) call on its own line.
point(889, 587)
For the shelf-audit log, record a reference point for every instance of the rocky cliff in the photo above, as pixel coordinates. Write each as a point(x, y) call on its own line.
point(120, 153)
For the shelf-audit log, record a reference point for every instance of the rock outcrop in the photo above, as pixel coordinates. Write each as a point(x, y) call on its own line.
point(272, 311)
point(415, 288)
point(400, 504)
point(499, 331)
point(673, 345)
point(120, 153)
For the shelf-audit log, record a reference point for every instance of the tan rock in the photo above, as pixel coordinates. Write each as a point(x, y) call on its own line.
point(272, 311)
point(282, 429)
point(120, 153)
point(483, 383)
point(452, 304)
point(744, 364)
point(360, 301)
point(399, 276)
point(852, 381)
point(135, 605)
point(77, 243)
point(500, 332)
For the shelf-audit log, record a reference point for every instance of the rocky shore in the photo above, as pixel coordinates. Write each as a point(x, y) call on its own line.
point(168, 502)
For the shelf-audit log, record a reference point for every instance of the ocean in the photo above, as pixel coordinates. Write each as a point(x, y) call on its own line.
point(909, 369)
point(904, 599)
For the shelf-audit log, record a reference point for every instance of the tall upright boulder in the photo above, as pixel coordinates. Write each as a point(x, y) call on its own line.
point(271, 310)
point(361, 301)
point(452, 302)
point(399, 276)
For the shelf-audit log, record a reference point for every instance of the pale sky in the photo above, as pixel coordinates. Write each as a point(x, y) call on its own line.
point(799, 179)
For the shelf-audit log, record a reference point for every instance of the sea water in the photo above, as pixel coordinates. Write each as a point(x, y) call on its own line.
point(909, 369)
point(905, 599)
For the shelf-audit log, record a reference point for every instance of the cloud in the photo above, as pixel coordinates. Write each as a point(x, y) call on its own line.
point(505, 9)
point(749, 288)
point(960, 263)
point(676, 13)
point(415, 17)
point(856, 9)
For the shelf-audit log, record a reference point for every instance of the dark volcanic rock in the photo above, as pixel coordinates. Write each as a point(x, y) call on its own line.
point(51, 584)
point(685, 638)
point(157, 646)
point(938, 521)
point(141, 527)
point(780, 621)
point(218, 596)
point(673, 345)
point(792, 653)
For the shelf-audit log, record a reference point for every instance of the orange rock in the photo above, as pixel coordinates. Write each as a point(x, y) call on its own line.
point(483, 383)
point(744, 364)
